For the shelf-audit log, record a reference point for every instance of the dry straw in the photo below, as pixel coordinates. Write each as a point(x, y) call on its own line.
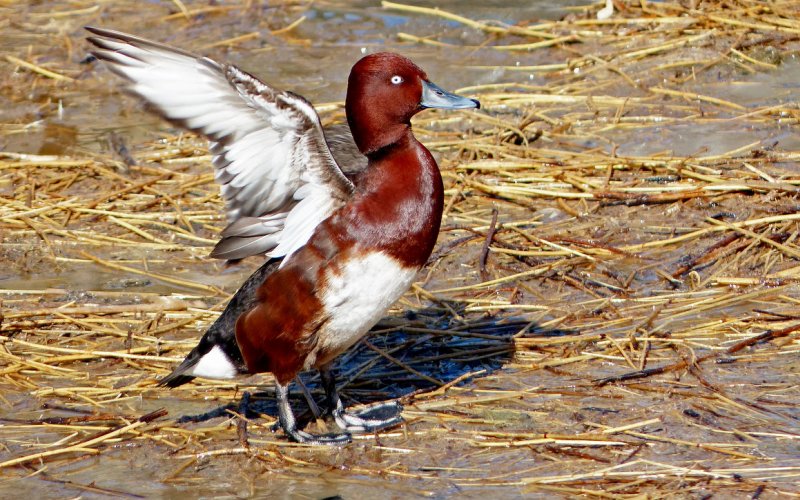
point(599, 319)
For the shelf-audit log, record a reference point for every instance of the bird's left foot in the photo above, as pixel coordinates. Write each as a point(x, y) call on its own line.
point(331, 439)
point(372, 418)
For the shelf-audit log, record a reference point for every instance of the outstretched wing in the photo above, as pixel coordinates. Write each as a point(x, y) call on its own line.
point(278, 177)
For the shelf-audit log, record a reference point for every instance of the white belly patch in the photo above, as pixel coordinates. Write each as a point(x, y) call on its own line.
point(358, 296)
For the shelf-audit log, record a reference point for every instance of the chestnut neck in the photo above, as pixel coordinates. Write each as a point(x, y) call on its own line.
point(399, 202)
point(372, 129)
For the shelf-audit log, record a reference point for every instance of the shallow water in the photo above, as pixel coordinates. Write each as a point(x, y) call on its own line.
point(315, 62)
point(707, 139)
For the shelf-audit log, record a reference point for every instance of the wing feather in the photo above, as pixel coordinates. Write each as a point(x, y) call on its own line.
point(278, 177)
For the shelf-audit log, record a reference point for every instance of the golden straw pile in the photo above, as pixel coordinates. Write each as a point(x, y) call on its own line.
point(611, 311)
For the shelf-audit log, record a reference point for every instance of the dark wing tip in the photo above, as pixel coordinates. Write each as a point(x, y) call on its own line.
point(117, 35)
point(240, 247)
point(106, 35)
point(178, 375)
point(174, 379)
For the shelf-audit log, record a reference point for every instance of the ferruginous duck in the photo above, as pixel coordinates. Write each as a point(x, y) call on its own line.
point(343, 244)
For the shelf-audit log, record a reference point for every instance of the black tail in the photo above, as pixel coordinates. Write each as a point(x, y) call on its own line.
point(178, 375)
point(174, 379)
point(223, 332)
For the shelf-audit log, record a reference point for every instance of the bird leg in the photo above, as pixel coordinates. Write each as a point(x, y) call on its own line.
point(289, 423)
point(312, 405)
point(365, 420)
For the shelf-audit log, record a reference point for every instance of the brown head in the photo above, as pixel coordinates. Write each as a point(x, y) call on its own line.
point(383, 92)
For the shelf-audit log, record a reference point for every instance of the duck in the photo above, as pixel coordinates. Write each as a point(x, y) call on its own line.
point(341, 243)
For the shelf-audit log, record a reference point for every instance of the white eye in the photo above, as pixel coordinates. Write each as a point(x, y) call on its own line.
point(397, 79)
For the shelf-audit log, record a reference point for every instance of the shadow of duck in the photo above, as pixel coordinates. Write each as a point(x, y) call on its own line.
point(400, 359)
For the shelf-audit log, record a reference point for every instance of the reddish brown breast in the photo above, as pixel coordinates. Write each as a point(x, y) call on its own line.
point(398, 203)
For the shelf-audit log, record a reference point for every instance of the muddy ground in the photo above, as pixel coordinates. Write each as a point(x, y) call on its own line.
point(611, 309)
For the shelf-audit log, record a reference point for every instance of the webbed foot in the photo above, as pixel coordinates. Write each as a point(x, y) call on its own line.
point(372, 418)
